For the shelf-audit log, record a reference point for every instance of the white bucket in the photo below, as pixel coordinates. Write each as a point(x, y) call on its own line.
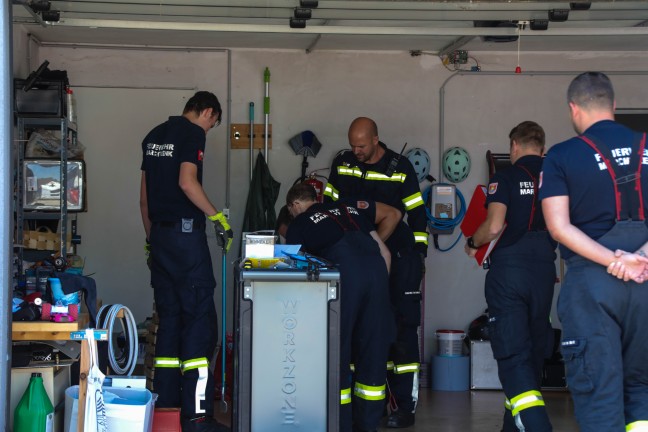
point(449, 342)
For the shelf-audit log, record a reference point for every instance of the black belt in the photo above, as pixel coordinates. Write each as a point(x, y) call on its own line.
point(169, 224)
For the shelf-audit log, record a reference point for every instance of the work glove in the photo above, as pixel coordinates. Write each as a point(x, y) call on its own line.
point(147, 253)
point(224, 232)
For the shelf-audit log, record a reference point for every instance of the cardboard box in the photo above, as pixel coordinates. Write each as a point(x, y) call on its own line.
point(55, 380)
point(483, 367)
point(259, 246)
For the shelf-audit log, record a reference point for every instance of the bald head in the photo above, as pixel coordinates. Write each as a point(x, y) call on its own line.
point(363, 139)
point(363, 125)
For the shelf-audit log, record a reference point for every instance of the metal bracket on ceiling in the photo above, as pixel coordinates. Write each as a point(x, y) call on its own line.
point(25, 4)
point(311, 47)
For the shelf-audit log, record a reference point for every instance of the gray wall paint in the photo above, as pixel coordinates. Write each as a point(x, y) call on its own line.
point(323, 92)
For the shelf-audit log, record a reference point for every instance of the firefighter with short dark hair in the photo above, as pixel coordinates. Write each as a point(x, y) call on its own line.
point(520, 282)
point(593, 192)
point(173, 206)
point(374, 172)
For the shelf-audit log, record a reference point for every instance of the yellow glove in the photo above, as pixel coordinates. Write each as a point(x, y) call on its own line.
point(224, 232)
point(147, 253)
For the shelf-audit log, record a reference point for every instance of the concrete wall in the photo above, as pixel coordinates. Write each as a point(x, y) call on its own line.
point(121, 94)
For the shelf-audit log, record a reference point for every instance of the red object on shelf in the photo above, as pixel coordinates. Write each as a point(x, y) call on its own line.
point(518, 70)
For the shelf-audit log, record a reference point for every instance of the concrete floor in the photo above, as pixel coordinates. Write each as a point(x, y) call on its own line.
point(472, 411)
point(481, 411)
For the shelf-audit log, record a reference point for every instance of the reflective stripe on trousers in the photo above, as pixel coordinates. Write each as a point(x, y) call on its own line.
point(638, 426)
point(368, 392)
point(166, 362)
point(406, 368)
point(526, 400)
point(202, 365)
point(521, 402)
point(345, 396)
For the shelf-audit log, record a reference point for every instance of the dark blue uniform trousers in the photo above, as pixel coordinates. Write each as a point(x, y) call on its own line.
point(519, 293)
point(367, 329)
point(605, 339)
point(183, 283)
point(405, 294)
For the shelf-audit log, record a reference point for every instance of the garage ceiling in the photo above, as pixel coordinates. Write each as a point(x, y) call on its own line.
point(431, 26)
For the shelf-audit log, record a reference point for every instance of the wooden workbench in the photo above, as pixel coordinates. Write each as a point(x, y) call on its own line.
point(45, 330)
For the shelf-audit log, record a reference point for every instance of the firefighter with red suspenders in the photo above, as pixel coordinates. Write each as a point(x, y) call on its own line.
point(593, 190)
point(520, 282)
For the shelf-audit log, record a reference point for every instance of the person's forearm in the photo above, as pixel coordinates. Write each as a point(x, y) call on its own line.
point(384, 251)
point(387, 218)
point(144, 207)
point(580, 243)
point(146, 221)
point(196, 194)
point(486, 233)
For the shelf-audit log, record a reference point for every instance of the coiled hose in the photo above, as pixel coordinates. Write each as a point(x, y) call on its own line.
point(125, 364)
point(443, 224)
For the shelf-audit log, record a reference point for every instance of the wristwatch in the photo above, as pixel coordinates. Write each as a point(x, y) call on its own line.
point(471, 243)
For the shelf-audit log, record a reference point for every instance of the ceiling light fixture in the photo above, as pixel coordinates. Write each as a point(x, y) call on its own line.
point(39, 5)
point(297, 23)
point(580, 5)
point(301, 13)
point(558, 15)
point(539, 24)
point(51, 15)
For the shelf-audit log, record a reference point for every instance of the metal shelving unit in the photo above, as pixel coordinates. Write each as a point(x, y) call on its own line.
point(68, 131)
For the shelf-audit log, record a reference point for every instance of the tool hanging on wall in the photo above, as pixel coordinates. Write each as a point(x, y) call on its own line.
point(266, 112)
point(305, 144)
point(251, 139)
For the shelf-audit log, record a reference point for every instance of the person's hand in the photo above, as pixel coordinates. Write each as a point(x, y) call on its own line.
point(147, 253)
point(470, 251)
point(629, 266)
point(224, 233)
point(615, 268)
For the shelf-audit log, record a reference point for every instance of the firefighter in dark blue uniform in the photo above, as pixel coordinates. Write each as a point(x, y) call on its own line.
point(374, 172)
point(173, 206)
point(593, 193)
point(343, 236)
point(520, 283)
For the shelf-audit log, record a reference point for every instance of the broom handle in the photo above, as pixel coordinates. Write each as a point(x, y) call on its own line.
point(251, 139)
point(266, 110)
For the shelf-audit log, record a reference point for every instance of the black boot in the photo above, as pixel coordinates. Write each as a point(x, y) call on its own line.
point(203, 424)
point(400, 419)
